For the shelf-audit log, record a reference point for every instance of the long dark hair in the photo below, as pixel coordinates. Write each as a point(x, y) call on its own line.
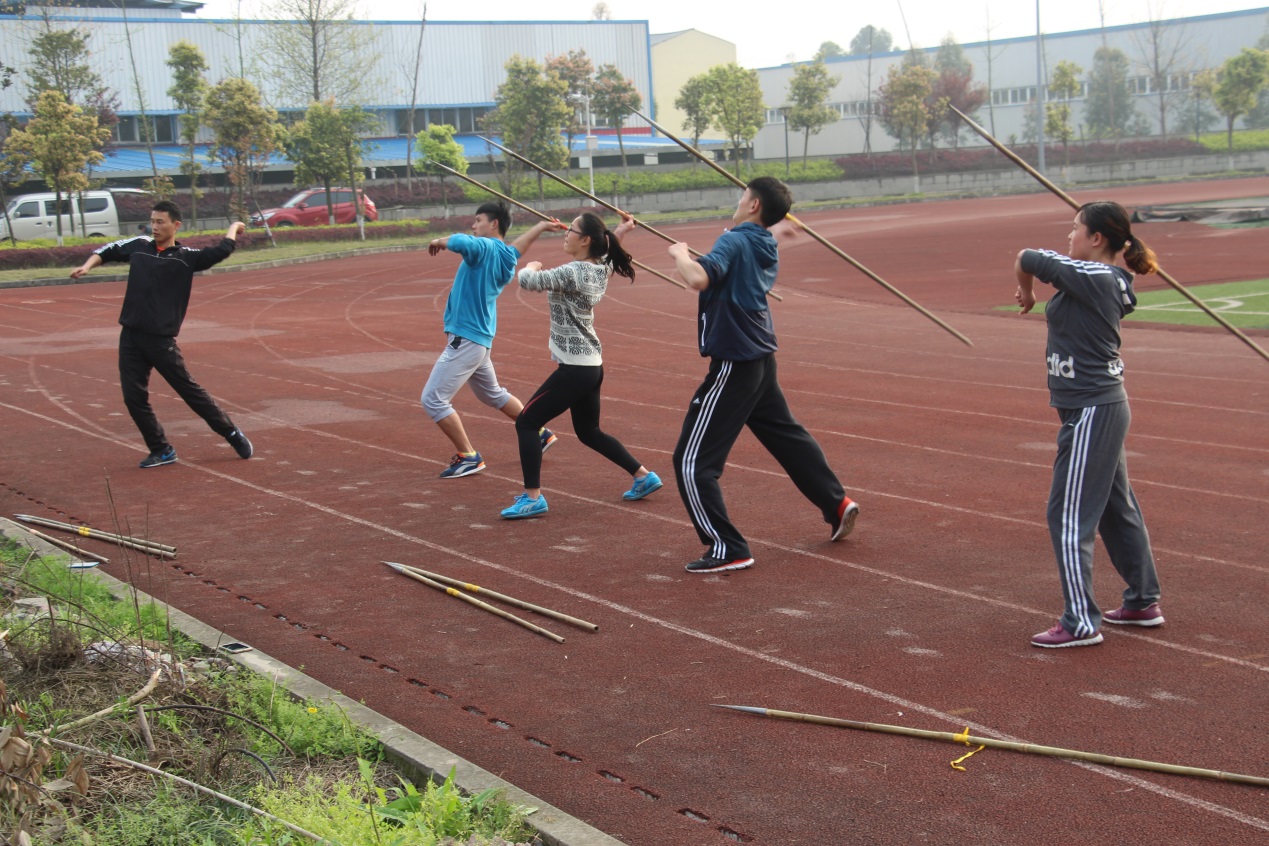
point(1111, 220)
point(607, 246)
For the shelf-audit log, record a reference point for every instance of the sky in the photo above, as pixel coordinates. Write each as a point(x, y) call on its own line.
point(796, 28)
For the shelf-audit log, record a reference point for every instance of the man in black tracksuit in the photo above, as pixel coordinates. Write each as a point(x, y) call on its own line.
point(734, 330)
point(160, 278)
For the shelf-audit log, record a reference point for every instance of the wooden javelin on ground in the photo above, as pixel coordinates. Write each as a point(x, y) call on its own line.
point(151, 547)
point(809, 231)
point(471, 600)
point(542, 215)
point(69, 546)
point(1031, 748)
point(1039, 177)
point(510, 600)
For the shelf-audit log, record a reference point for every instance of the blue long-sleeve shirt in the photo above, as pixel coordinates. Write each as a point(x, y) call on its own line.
point(733, 322)
point(471, 311)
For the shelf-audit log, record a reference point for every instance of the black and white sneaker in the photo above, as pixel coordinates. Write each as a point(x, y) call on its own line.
point(710, 564)
point(239, 442)
point(159, 457)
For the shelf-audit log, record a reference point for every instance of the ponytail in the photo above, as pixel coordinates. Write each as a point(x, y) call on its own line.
point(617, 258)
point(1139, 257)
point(1111, 221)
point(605, 245)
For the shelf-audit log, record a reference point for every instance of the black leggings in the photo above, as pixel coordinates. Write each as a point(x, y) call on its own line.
point(575, 388)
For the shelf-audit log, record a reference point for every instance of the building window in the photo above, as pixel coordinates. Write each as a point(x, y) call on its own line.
point(128, 129)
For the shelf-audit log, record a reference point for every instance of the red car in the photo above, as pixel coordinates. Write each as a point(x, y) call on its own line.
point(308, 208)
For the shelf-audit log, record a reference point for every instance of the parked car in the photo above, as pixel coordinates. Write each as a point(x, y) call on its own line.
point(308, 208)
point(34, 216)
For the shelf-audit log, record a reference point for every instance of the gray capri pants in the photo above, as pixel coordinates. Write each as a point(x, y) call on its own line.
point(462, 362)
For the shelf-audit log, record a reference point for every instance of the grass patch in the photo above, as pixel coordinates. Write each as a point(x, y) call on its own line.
point(207, 721)
point(1244, 305)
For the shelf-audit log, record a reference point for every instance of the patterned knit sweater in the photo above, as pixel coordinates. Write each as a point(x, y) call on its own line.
point(573, 290)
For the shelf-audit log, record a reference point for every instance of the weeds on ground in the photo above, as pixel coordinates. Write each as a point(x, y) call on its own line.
point(225, 731)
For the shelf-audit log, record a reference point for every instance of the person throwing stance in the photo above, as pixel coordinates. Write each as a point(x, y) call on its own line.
point(735, 331)
point(1090, 491)
point(160, 278)
point(573, 291)
point(471, 320)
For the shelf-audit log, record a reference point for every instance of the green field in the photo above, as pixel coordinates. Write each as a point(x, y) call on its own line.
point(1243, 304)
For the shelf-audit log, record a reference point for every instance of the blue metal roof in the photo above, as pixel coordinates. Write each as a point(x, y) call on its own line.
point(135, 161)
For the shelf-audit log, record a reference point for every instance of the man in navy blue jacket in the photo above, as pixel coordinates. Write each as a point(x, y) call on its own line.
point(160, 279)
point(734, 330)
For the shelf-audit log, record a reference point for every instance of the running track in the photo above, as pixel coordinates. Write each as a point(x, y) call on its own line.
point(920, 618)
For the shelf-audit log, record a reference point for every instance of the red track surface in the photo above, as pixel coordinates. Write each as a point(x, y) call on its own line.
point(921, 617)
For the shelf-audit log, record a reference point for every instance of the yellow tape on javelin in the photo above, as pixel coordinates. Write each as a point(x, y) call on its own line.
point(85, 531)
point(963, 737)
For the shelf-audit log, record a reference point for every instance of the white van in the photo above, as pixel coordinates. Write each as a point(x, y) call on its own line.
point(34, 216)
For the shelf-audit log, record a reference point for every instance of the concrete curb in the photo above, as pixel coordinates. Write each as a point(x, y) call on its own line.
point(416, 756)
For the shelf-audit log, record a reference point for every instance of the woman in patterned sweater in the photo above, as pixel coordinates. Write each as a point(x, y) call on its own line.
point(573, 290)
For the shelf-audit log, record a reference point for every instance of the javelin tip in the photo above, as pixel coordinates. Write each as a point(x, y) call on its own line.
point(748, 709)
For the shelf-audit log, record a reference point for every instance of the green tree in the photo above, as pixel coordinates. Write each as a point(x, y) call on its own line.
point(693, 102)
point(905, 105)
point(577, 71)
point(734, 102)
point(953, 87)
point(437, 144)
point(1196, 114)
point(830, 50)
point(1108, 104)
point(808, 111)
point(616, 99)
point(1064, 84)
point(318, 52)
point(60, 141)
point(316, 146)
point(188, 91)
point(13, 164)
point(246, 133)
point(1238, 82)
point(530, 111)
point(869, 41)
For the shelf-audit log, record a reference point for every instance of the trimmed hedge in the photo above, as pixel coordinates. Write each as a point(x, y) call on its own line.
point(972, 159)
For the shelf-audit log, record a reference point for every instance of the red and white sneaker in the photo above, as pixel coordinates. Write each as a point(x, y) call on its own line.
point(846, 514)
point(1058, 638)
point(710, 564)
point(1151, 615)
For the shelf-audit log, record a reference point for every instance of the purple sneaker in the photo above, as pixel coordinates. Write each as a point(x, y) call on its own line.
point(1058, 637)
point(1151, 615)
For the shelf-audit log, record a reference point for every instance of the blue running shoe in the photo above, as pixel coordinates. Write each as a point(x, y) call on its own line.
point(643, 487)
point(463, 465)
point(158, 458)
point(548, 439)
point(525, 507)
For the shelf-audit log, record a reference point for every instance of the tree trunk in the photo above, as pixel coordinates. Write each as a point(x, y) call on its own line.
point(57, 209)
point(806, 145)
point(330, 201)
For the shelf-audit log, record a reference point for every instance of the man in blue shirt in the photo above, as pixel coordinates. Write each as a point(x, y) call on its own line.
point(734, 330)
point(471, 320)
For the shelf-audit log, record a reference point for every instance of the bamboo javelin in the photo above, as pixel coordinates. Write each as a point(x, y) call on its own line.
point(484, 606)
point(510, 600)
point(1031, 748)
point(1164, 275)
point(542, 215)
point(152, 547)
point(69, 546)
point(840, 253)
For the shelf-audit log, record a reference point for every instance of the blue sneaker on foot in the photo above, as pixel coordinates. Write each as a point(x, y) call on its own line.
point(642, 487)
point(525, 507)
point(548, 439)
point(160, 457)
point(463, 465)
